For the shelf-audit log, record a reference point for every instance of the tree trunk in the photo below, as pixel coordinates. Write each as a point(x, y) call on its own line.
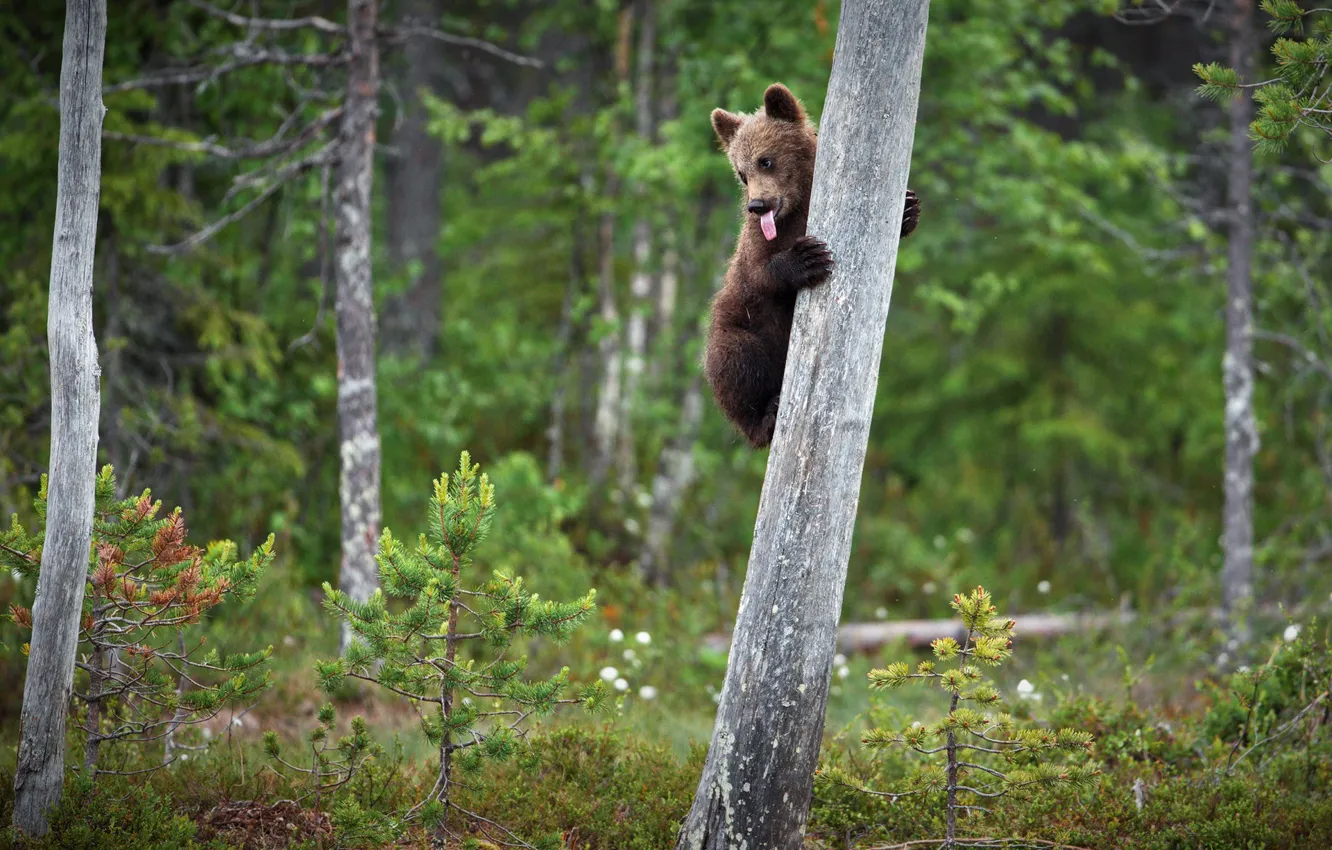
point(674, 475)
point(606, 419)
point(563, 350)
point(1237, 365)
point(758, 778)
point(358, 431)
point(640, 284)
point(75, 405)
point(411, 319)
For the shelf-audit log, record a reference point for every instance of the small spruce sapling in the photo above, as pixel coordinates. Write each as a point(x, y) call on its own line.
point(447, 648)
point(139, 677)
point(985, 755)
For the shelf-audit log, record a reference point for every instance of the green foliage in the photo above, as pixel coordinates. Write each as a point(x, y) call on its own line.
point(93, 817)
point(447, 649)
point(146, 587)
point(1298, 96)
point(333, 765)
point(595, 787)
point(987, 755)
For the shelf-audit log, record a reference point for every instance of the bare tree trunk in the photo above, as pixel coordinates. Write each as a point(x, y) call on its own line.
point(563, 345)
point(758, 778)
point(1237, 365)
point(411, 319)
point(75, 405)
point(674, 475)
point(640, 284)
point(606, 420)
point(358, 431)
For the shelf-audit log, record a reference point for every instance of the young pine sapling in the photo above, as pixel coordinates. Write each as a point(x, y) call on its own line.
point(446, 646)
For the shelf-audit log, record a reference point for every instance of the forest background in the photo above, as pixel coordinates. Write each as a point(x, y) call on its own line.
point(548, 228)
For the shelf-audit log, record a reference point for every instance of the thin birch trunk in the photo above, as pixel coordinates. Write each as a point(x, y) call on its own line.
point(563, 345)
point(758, 778)
point(1237, 366)
point(75, 406)
point(641, 282)
point(358, 431)
point(606, 419)
point(674, 475)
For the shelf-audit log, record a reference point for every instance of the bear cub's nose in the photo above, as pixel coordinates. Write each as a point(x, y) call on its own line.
point(758, 205)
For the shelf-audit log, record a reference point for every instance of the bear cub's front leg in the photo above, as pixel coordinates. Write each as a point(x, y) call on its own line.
point(806, 263)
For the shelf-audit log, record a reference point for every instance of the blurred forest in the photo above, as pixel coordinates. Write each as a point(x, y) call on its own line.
point(550, 220)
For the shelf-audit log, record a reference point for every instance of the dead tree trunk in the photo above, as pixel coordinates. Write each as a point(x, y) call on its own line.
point(606, 420)
point(411, 318)
point(1237, 365)
point(358, 430)
point(758, 778)
point(75, 405)
point(674, 475)
point(640, 283)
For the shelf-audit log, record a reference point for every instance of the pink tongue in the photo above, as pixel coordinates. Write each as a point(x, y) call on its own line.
point(769, 224)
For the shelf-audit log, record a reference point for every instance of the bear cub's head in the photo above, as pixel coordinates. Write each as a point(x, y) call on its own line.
point(772, 152)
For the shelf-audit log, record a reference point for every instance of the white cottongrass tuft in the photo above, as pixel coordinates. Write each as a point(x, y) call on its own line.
point(643, 638)
point(647, 692)
point(1291, 633)
point(1043, 587)
point(621, 685)
point(616, 635)
point(609, 674)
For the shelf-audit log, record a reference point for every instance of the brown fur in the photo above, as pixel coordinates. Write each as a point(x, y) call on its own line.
point(772, 152)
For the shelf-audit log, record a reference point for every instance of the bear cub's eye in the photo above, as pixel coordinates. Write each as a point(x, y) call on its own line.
point(742, 177)
point(765, 163)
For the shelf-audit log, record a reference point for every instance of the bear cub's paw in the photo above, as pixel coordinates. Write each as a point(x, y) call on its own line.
point(762, 436)
point(911, 214)
point(806, 263)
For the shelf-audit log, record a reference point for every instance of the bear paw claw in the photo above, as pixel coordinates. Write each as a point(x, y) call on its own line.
point(812, 261)
point(910, 214)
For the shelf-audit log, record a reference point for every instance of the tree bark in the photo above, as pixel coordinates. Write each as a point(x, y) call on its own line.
point(640, 283)
point(358, 430)
point(411, 318)
point(1237, 365)
point(563, 351)
point(606, 420)
point(758, 778)
point(75, 406)
point(674, 475)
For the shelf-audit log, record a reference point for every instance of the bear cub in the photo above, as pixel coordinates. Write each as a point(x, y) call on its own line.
point(772, 152)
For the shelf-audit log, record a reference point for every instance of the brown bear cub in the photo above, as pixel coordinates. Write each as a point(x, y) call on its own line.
point(773, 155)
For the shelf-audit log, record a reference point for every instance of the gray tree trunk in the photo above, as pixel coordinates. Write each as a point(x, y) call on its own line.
point(411, 318)
point(1237, 365)
point(358, 430)
point(758, 778)
point(606, 419)
point(75, 405)
point(674, 475)
point(640, 283)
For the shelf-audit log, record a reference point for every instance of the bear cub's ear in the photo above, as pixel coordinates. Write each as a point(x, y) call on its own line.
point(726, 124)
point(781, 105)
